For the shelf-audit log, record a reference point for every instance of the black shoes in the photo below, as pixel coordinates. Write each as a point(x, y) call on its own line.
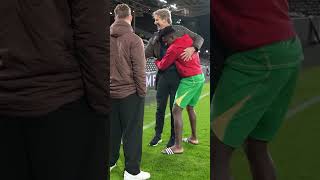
point(155, 141)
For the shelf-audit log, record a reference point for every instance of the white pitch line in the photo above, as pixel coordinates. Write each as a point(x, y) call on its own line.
point(292, 112)
point(168, 115)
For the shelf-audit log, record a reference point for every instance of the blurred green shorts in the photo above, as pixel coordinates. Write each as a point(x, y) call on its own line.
point(254, 92)
point(189, 91)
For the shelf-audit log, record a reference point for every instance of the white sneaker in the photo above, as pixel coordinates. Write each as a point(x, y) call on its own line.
point(113, 167)
point(141, 176)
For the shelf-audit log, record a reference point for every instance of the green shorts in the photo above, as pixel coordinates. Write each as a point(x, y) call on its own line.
point(254, 92)
point(189, 91)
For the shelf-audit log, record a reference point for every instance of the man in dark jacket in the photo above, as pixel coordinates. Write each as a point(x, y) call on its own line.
point(168, 80)
point(53, 90)
point(127, 90)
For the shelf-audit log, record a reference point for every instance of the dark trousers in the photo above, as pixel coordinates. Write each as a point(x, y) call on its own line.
point(127, 123)
point(67, 144)
point(167, 85)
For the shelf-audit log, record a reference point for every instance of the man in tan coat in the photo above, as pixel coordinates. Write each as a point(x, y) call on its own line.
point(127, 91)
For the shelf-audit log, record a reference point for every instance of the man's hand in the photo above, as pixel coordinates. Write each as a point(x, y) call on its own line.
point(186, 55)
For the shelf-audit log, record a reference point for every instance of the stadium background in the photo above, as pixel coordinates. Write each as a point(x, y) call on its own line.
point(195, 162)
point(296, 147)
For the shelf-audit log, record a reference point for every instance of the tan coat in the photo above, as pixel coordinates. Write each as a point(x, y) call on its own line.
point(127, 63)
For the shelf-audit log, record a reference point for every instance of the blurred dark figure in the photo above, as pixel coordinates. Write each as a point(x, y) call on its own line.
point(53, 90)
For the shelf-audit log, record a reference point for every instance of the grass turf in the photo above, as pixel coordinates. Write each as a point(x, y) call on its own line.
point(194, 163)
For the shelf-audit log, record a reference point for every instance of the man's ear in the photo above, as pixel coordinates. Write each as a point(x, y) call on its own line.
point(171, 37)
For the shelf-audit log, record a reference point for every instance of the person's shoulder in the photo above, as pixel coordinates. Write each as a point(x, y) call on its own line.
point(131, 36)
point(178, 27)
point(135, 38)
point(180, 30)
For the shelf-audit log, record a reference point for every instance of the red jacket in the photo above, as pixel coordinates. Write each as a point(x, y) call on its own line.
point(249, 24)
point(173, 55)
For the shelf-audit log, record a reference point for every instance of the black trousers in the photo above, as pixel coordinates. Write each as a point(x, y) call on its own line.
point(67, 144)
point(127, 123)
point(167, 85)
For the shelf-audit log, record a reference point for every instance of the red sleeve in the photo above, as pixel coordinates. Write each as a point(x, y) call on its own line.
point(168, 59)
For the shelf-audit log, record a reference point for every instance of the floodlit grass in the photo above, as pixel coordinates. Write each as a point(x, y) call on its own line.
point(193, 164)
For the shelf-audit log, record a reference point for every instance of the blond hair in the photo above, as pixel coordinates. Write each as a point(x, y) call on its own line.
point(163, 14)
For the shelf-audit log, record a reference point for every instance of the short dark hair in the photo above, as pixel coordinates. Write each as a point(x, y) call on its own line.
point(122, 11)
point(166, 31)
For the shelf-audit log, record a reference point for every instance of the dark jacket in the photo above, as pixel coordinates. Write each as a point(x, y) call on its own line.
point(52, 52)
point(127, 61)
point(153, 46)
